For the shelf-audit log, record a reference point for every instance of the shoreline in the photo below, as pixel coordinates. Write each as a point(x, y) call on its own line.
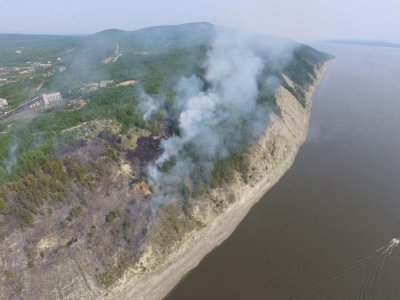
point(161, 279)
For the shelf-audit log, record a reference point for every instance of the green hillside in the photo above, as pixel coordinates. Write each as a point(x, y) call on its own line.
point(32, 167)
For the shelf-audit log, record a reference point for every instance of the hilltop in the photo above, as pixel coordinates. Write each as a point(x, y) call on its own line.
point(154, 128)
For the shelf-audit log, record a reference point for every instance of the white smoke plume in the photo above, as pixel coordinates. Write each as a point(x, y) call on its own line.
point(225, 117)
point(12, 157)
point(147, 105)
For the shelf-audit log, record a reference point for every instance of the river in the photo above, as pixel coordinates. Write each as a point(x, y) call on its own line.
point(319, 233)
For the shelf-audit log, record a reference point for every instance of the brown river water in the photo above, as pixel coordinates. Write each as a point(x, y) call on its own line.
point(323, 231)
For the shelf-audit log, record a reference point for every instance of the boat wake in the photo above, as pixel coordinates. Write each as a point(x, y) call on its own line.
point(386, 253)
point(381, 254)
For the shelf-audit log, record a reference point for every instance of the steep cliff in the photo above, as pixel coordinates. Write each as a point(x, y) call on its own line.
point(157, 272)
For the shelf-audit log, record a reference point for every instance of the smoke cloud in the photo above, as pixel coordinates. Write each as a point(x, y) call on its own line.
point(12, 157)
point(147, 105)
point(225, 115)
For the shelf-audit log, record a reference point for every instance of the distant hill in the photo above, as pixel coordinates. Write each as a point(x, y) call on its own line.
point(141, 54)
point(153, 40)
point(159, 38)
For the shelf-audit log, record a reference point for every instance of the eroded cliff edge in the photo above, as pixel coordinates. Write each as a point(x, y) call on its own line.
point(269, 159)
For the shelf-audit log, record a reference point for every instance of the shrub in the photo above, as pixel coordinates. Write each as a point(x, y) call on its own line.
point(112, 215)
point(224, 169)
point(74, 213)
point(10, 274)
point(126, 225)
point(168, 164)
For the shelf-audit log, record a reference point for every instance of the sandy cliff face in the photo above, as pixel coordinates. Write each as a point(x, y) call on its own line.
point(269, 159)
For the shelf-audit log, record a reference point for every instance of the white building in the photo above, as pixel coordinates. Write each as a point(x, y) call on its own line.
point(104, 83)
point(51, 99)
point(3, 103)
point(48, 65)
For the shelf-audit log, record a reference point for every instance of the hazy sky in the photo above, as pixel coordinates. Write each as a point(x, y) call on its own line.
point(298, 19)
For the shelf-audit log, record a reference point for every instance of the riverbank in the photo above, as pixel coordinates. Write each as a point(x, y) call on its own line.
point(269, 160)
point(337, 203)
